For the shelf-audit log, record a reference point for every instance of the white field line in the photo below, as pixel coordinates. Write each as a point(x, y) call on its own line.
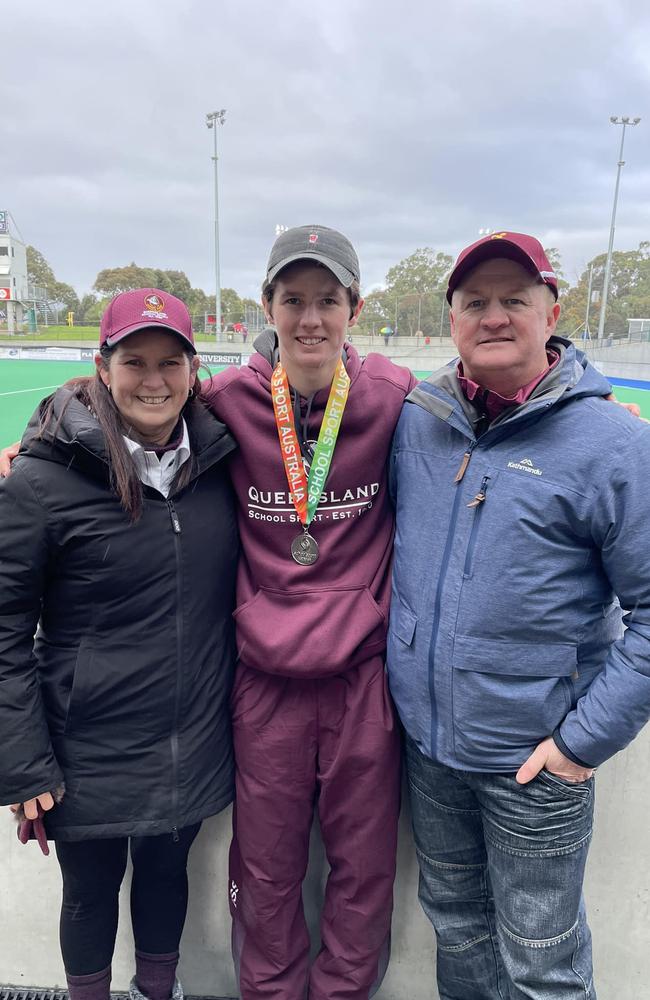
point(38, 388)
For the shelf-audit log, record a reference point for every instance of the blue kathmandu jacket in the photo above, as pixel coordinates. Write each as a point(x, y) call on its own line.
point(511, 550)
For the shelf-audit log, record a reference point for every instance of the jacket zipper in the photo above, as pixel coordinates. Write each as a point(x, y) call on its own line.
point(176, 526)
point(438, 597)
point(477, 503)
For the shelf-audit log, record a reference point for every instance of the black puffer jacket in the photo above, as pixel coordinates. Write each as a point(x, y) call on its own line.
point(123, 694)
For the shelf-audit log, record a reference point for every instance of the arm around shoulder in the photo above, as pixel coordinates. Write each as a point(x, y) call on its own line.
point(7, 456)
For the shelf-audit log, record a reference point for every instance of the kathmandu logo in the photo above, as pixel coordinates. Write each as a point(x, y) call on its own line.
point(525, 465)
point(313, 237)
point(154, 303)
point(232, 892)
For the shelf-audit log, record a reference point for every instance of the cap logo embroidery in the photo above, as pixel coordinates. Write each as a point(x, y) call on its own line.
point(313, 237)
point(154, 303)
point(498, 236)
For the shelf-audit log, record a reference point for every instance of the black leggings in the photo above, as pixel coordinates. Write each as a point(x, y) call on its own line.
point(92, 875)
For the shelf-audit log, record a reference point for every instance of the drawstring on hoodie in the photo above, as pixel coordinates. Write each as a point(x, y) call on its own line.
point(302, 423)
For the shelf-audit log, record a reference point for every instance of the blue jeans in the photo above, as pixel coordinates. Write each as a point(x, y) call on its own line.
point(501, 872)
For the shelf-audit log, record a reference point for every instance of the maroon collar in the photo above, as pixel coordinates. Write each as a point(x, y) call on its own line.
point(492, 403)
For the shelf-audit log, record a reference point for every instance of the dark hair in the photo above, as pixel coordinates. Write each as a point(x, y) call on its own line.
point(353, 290)
point(124, 478)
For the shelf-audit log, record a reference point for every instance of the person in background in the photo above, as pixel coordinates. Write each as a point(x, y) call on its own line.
point(521, 513)
point(119, 549)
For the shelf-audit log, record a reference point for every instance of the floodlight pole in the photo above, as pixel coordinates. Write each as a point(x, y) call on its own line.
point(591, 278)
point(608, 266)
point(213, 119)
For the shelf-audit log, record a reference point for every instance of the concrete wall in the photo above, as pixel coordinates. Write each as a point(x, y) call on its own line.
point(618, 897)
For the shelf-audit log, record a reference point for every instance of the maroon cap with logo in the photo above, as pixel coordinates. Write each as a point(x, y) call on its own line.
point(526, 250)
point(143, 309)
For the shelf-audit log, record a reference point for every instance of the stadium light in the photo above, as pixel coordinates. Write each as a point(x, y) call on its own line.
point(213, 119)
point(608, 266)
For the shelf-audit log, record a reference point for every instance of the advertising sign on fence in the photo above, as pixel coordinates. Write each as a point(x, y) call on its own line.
point(46, 353)
point(220, 359)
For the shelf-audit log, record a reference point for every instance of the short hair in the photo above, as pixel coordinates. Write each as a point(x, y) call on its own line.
point(353, 290)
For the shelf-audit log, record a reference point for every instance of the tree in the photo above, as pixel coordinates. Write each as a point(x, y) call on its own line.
point(232, 307)
point(113, 280)
point(375, 312)
point(629, 293)
point(415, 290)
point(199, 303)
point(84, 313)
point(65, 295)
point(39, 271)
point(179, 285)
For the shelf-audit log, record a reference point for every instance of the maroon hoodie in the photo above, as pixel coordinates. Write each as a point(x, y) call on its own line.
point(312, 621)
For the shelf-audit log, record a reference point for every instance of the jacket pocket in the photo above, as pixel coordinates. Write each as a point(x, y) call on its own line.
point(508, 696)
point(311, 633)
point(79, 689)
point(404, 678)
point(402, 622)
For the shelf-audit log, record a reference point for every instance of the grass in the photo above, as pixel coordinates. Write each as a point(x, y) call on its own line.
point(24, 383)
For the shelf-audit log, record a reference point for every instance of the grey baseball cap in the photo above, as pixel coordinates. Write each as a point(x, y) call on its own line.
point(326, 246)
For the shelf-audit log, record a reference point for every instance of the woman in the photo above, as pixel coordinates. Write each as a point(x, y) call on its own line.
point(122, 549)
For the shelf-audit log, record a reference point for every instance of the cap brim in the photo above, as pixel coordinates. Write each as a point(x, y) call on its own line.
point(340, 273)
point(112, 341)
point(487, 251)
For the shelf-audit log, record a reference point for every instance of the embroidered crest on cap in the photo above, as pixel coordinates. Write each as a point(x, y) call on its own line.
point(313, 237)
point(498, 236)
point(154, 303)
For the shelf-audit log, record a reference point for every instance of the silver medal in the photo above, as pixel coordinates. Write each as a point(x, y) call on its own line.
point(304, 549)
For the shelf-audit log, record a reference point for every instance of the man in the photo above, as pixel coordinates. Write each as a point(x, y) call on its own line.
point(521, 502)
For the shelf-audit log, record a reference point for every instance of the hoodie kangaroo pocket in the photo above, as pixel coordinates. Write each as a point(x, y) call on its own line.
point(312, 633)
point(508, 696)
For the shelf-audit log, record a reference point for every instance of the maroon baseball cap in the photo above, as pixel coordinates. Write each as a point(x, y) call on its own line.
point(526, 250)
point(143, 309)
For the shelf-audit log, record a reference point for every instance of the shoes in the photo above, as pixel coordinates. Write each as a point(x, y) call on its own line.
point(136, 994)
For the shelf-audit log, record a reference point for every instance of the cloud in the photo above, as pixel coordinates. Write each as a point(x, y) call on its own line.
point(404, 125)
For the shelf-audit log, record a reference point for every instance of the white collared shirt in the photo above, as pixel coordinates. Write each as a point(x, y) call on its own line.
point(157, 472)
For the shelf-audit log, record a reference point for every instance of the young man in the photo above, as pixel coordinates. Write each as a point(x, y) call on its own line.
point(521, 505)
point(313, 723)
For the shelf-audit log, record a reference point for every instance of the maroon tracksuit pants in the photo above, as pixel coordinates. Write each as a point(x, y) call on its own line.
point(330, 744)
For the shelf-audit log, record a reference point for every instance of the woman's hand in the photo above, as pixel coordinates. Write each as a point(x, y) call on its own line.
point(7, 456)
point(29, 815)
point(632, 408)
point(30, 808)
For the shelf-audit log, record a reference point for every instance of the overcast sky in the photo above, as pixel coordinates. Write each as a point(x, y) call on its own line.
point(405, 124)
